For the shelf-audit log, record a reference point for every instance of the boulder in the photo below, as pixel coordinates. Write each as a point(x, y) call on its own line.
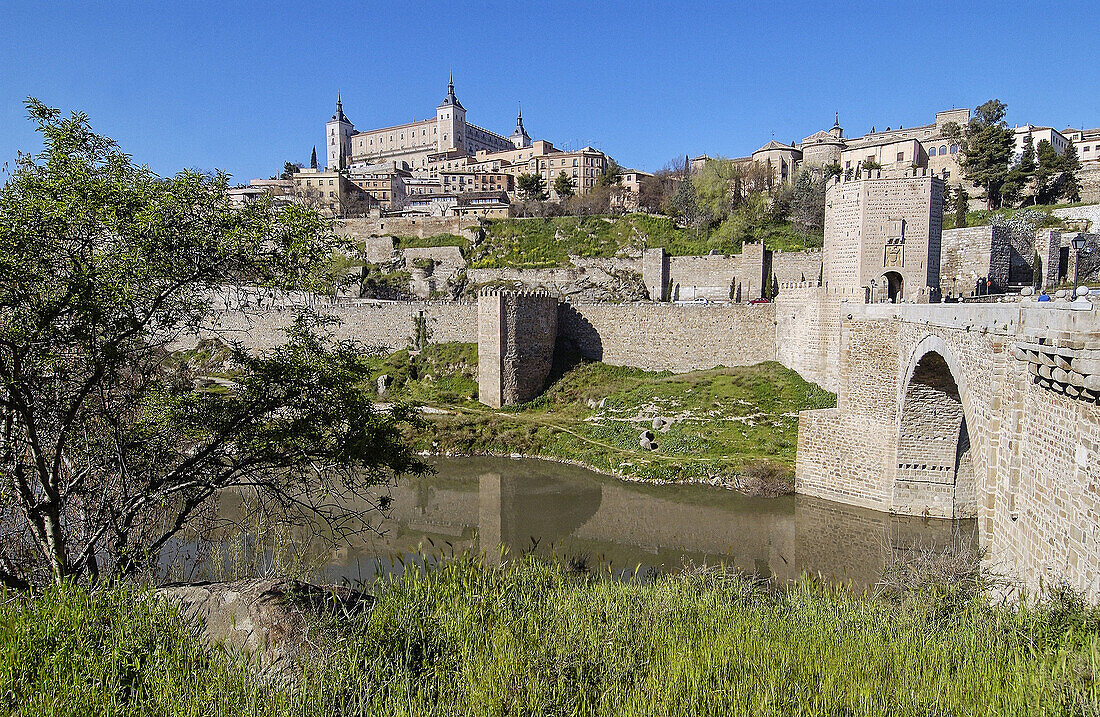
point(273, 623)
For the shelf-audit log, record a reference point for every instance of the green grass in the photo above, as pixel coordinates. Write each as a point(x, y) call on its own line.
point(537, 639)
point(739, 424)
point(982, 217)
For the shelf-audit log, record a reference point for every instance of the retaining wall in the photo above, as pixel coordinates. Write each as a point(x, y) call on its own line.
point(671, 337)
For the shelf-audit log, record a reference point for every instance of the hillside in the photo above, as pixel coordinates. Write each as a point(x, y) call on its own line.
point(545, 242)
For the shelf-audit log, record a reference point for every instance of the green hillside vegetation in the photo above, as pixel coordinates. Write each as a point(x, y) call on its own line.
point(547, 242)
point(1039, 216)
point(738, 425)
point(532, 638)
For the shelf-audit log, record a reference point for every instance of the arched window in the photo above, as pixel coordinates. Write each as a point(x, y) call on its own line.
point(932, 152)
point(954, 148)
point(943, 149)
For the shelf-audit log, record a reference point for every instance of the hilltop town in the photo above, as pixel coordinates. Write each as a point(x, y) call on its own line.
point(448, 166)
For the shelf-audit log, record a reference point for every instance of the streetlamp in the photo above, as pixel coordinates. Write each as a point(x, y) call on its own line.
point(1078, 244)
point(872, 291)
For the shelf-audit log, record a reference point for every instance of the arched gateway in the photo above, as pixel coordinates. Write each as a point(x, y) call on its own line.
point(935, 473)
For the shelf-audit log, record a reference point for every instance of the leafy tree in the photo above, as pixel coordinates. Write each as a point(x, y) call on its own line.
point(962, 205)
point(107, 448)
point(714, 188)
point(656, 191)
point(870, 164)
point(1069, 187)
point(987, 150)
point(611, 176)
point(1047, 173)
point(531, 187)
point(1019, 177)
point(832, 170)
point(289, 170)
point(564, 186)
point(808, 200)
point(685, 203)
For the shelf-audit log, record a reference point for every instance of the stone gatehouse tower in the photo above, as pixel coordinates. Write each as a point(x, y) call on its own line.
point(882, 237)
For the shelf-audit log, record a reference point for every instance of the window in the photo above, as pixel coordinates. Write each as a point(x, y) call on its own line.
point(932, 152)
point(1086, 148)
point(943, 149)
point(954, 148)
point(901, 156)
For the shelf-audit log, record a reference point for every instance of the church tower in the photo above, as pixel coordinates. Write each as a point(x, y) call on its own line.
point(338, 131)
point(837, 131)
point(450, 119)
point(519, 137)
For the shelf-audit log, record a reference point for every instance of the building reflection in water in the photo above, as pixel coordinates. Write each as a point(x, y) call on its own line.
point(525, 505)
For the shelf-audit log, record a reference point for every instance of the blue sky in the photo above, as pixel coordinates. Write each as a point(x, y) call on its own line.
point(244, 86)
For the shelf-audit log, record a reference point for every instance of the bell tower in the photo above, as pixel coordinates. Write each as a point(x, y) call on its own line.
point(519, 137)
point(450, 119)
point(338, 131)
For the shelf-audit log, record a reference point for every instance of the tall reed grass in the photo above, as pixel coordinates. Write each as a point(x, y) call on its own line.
point(533, 638)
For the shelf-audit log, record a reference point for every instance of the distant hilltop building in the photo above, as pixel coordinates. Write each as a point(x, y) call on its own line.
point(896, 151)
point(426, 167)
point(932, 147)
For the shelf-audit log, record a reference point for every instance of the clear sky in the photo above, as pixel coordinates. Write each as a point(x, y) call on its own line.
point(243, 86)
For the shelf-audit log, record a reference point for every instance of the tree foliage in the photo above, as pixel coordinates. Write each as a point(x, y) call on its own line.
point(987, 150)
point(1019, 178)
point(611, 176)
point(107, 447)
point(808, 199)
point(564, 186)
point(291, 168)
point(532, 187)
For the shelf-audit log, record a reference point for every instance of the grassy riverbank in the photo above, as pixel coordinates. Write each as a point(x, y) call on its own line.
point(540, 639)
point(738, 425)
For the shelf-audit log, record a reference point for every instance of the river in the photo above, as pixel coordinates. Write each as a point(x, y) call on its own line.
point(549, 508)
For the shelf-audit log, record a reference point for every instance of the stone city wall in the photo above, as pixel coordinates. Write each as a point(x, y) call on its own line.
point(598, 278)
point(432, 268)
point(385, 325)
point(1089, 177)
point(1089, 213)
point(970, 253)
point(702, 277)
point(671, 337)
point(796, 266)
point(420, 227)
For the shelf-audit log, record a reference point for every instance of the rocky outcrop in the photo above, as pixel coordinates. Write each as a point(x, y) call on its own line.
point(276, 624)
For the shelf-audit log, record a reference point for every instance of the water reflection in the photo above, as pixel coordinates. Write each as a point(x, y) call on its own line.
point(483, 503)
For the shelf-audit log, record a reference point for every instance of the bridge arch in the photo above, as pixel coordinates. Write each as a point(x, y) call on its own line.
point(936, 455)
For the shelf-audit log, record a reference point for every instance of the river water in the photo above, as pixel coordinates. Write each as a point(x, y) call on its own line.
point(552, 509)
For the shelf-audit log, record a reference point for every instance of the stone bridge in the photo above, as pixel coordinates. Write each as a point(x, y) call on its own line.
point(988, 411)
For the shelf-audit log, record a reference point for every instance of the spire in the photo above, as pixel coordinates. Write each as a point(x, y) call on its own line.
point(836, 119)
point(450, 100)
point(519, 136)
point(339, 116)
